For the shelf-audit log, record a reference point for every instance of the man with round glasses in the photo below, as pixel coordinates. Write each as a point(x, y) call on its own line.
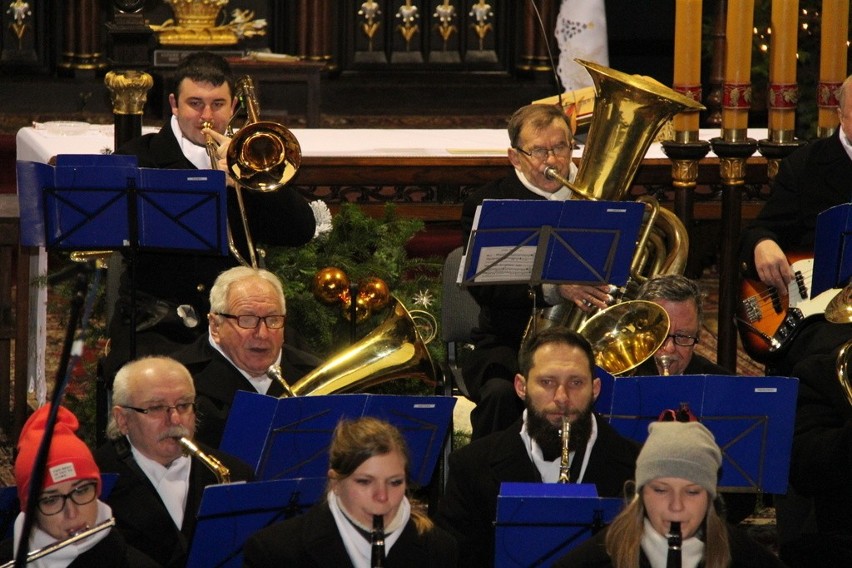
point(246, 337)
point(540, 137)
point(159, 489)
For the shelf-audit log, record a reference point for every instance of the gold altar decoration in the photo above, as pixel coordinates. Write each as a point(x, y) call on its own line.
point(407, 14)
point(445, 14)
point(481, 12)
point(128, 91)
point(196, 24)
point(19, 11)
point(370, 11)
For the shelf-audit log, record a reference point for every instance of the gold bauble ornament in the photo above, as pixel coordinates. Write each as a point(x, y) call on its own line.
point(375, 291)
point(362, 308)
point(329, 284)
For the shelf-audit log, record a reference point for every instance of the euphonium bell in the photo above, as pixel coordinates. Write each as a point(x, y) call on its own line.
point(623, 336)
point(393, 350)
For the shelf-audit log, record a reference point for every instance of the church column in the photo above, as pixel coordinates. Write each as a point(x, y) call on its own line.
point(82, 45)
point(314, 29)
point(533, 58)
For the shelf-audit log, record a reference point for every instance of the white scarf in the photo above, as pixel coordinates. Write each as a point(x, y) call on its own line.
point(171, 483)
point(549, 470)
point(656, 548)
point(562, 194)
point(193, 152)
point(358, 548)
point(64, 556)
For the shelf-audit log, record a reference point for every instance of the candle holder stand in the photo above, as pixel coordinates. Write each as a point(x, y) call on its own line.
point(685, 157)
point(774, 152)
point(732, 170)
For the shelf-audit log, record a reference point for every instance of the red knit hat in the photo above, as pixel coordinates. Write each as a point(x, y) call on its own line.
point(69, 459)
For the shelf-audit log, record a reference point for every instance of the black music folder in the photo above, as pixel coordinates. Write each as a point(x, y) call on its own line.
point(535, 241)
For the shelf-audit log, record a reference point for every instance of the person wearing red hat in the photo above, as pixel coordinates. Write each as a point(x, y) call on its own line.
point(68, 503)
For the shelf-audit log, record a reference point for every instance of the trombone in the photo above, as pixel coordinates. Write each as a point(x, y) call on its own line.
point(262, 156)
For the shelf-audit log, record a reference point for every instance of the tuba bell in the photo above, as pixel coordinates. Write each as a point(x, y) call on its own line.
point(392, 350)
point(629, 112)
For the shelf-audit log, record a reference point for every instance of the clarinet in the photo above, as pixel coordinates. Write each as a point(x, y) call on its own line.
point(673, 558)
point(377, 541)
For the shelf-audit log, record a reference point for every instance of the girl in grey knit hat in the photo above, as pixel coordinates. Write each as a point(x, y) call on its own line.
point(676, 476)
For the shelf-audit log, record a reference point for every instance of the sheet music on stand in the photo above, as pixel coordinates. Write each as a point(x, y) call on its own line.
point(536, 241)
point(832, 249)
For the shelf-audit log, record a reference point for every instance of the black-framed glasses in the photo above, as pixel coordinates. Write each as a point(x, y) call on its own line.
point(162, 410)
point(541, 154)
point(251, 322)
point(80, 495)
point(682, 340)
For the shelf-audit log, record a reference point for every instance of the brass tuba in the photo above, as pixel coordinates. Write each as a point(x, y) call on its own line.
point(629, 112)
point(393, 350)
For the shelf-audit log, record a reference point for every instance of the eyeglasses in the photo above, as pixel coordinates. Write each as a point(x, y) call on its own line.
point(541, 154)
point(682, 339)
point(162, 410)
point(251, 322)
point(80, 495)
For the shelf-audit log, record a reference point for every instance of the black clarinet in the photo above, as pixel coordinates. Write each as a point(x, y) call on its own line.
point(377, 541)
point(673, 558)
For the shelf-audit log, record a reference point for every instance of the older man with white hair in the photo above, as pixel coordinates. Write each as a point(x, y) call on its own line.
point(247, 320)
point(159, 489)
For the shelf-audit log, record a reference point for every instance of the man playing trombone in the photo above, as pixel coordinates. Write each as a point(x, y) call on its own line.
point(171, 298)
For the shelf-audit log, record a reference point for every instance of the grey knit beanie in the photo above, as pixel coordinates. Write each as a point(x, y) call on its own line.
point(680, 449)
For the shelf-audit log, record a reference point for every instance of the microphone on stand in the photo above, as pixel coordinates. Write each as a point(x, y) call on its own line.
point(675, 540)
point(377, 542)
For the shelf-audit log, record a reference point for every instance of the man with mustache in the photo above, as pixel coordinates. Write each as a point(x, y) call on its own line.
point(159, 489)
point(247, 320)
point(556, 379)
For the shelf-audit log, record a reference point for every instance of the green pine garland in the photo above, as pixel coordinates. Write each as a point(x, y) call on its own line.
point(362, 247)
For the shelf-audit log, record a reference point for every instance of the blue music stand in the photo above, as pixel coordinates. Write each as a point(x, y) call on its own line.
point(832, 249)
point(230, 513)
point(289, 437)
point(92, 202)
point(750, 417)
point(533, 241)
point(538, 523)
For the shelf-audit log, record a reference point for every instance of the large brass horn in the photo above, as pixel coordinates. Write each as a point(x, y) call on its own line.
point(625, 335)
point(629, 112)
point(262, 156)
point(393, 350)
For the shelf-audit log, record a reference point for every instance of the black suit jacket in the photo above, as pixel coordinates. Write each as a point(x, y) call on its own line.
point(217, 382)
point(312, 540)
point(469, 506)
point(139, 512)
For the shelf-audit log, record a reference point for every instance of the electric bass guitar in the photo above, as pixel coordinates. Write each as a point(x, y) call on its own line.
point(768, 321)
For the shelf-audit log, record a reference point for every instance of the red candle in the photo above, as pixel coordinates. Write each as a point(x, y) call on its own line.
point(736, 98)
point(687, 63)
